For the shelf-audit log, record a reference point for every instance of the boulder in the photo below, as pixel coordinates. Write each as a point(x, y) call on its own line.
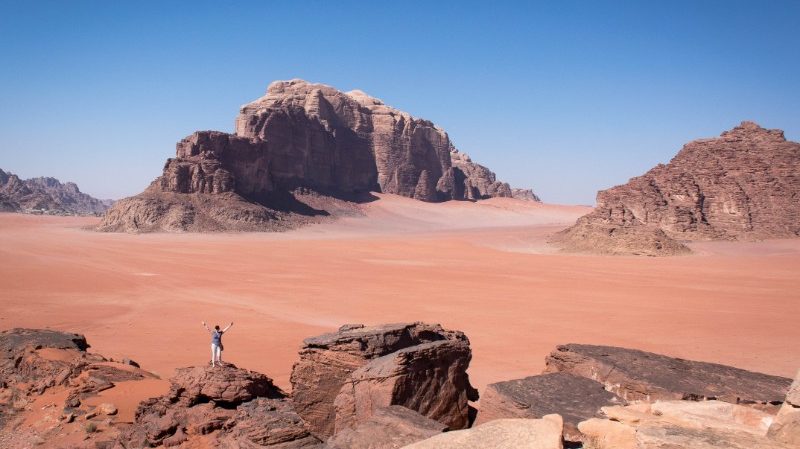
point(388, 428)
point(639, 375)
point(574, 398)
point(542, 433)
point(430, 378)
point(740, 185)
point(786, 426)
point(326, 362)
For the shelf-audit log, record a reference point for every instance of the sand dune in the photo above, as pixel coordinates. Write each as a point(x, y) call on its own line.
point(484, 268)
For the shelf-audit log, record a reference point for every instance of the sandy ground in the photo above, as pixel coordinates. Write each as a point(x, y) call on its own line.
point(483, 268)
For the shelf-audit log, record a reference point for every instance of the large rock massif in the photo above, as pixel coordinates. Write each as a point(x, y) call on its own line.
point(296, 151)
point(46, 196)
point(387, 387)
point(744, 184)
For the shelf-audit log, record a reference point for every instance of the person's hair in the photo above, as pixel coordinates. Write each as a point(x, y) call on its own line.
point(216, 327)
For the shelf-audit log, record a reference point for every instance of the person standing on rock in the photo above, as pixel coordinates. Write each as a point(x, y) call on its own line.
point(216, 343)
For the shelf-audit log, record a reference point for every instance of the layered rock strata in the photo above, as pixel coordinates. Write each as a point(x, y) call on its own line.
point(46, 195)
point(302, 137)
point(327, 363)
point(743, 184)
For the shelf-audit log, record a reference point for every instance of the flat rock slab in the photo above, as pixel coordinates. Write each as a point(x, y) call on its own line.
point(18, 339)
point(388, 428)
point(639, 375)
point(574, 398)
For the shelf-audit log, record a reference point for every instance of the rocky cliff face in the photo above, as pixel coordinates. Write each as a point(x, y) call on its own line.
point(303, 137)
point(46, 195)
point(744, 184)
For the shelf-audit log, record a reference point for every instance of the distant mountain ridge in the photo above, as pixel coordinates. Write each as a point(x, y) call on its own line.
point(46, 195)
point(301, 153)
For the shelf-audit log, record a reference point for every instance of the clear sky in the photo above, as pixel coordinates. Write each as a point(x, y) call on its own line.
point(566, 97)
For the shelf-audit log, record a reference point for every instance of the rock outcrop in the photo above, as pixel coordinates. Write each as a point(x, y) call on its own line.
point(638, 375)
point(430, 378)
point(575, 398)
point(786, 426)
point(388, 428)
point(524, 194)
point(300, 138)
point(226, 406)
point(328, 361)
point(741, 185)
point(542, 433)
point(46, 196)
point(673, 424)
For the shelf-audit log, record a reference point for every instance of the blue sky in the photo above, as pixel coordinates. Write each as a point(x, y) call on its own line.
point(566, 97)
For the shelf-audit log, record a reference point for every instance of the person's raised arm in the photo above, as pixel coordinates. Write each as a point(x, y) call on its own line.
point(229, 326)
point(205, 326)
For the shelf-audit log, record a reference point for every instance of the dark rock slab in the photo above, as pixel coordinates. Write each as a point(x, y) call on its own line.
point(639, 375)
point(18, 339)
point(574, 398)
point(388, 428)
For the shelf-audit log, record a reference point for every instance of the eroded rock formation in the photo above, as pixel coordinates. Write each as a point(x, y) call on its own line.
point(328, 361)
point(302, 137)
point(744, 184)
point(224, 406)
point(46, 196)
point(430, 378)
point(639, 375)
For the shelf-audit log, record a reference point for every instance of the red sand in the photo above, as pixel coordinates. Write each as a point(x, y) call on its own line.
point(483, 268)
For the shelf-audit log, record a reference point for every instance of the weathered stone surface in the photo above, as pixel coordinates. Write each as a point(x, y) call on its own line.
point(388, 428)
point(574, 398)
point(640, 375)
point(326, 362)
point(203, 400)
point(306, 137)
point(224, 384)
point(21, 361)
point(786, 426)
point(741, 185)
point(46, 195)
point(542, 433)
point(673, 424)
point(268, 423)
point(430, 378)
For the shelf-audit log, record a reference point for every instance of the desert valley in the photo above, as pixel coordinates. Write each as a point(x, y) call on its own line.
point(441, 298)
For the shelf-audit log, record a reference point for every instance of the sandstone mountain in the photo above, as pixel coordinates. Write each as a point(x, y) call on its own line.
point(300, 153)
point(46, 195)
point(744, 185)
